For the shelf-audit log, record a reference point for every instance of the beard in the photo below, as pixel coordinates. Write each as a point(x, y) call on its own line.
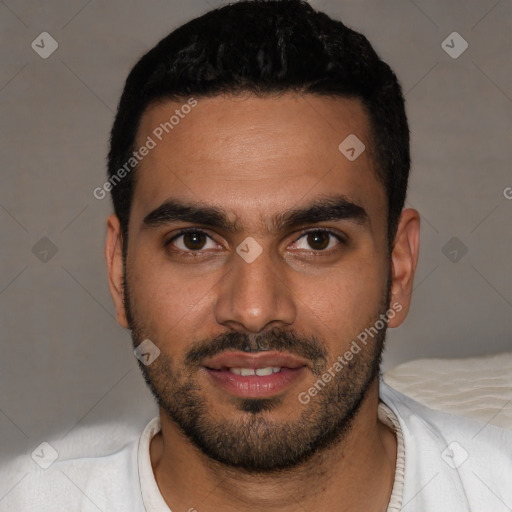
point(254, 442)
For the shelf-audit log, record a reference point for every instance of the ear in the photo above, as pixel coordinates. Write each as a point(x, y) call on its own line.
point(114, 257)
point(404, 260)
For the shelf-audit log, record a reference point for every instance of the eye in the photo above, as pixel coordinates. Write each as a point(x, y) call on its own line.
point(192, 240)
point(318, 240)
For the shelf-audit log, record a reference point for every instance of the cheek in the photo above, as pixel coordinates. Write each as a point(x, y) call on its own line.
point(165, 300)
point(346, 302)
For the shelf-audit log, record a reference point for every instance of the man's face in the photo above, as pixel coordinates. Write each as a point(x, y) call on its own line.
point(252, 286)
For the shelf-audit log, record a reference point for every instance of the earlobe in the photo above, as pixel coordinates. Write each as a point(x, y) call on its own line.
point(404, 259)
point(114, 259)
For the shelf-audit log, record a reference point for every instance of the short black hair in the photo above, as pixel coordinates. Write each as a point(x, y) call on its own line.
point(266, 47)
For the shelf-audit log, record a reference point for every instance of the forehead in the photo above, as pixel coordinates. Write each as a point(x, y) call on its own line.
point(253, 155)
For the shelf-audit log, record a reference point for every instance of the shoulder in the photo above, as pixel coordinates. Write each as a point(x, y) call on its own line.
point(467, 463)
point(80, 473)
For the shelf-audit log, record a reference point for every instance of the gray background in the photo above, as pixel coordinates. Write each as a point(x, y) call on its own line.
point(64, 360)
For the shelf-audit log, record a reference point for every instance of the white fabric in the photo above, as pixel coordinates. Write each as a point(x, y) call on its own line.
point(477, 387)
point(452, 463)
point(123, 480)
point(388, 417)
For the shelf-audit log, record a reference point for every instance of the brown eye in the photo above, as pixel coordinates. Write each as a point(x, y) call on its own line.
point(318, 240)
point(194, 241)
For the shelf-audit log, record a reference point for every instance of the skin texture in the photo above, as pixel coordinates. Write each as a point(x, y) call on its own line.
point(255, 158)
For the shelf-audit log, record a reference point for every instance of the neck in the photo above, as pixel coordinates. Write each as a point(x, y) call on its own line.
point(354, 474)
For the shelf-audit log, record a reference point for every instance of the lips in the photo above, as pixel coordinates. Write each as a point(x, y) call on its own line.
point(256, 375)
point(266, 359)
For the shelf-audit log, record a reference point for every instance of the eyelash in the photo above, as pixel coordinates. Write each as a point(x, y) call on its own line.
point(184, 231)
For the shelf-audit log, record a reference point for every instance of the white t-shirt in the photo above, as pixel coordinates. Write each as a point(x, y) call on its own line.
point(445, 463)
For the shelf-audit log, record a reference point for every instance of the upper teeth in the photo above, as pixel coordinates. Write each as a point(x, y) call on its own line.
point(269, 370)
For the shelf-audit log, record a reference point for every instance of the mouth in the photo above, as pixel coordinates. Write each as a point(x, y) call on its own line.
point(260, 372)
point(257, 375)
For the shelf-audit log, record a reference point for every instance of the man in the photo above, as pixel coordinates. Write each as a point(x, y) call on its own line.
point(258, 252)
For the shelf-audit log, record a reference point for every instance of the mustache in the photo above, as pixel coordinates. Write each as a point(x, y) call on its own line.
point(273, 339)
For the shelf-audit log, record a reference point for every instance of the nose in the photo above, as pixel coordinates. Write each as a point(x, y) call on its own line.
point(253, 296)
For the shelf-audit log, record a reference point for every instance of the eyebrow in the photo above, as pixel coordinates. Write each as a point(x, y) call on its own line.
point(332, 208)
